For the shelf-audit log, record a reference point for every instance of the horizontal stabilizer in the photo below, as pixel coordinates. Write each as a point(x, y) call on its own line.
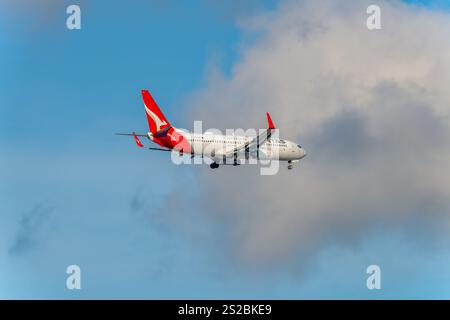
point(160, 149)
point(138, 142)
point(162, 132)
point(131, 134)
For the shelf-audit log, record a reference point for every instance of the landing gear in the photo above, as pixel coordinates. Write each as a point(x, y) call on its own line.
point(214, 165)
point(235, 160)
point(290, 165)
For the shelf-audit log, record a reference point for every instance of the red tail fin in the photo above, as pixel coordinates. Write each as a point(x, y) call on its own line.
point(156, 119)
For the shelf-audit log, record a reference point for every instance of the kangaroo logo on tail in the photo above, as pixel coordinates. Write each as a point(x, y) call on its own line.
point(159, 123)
point(155, 118)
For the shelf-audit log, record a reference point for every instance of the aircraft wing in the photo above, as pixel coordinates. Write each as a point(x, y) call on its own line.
point(254, 144)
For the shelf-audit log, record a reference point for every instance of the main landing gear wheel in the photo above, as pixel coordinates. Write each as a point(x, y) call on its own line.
point(214, 165)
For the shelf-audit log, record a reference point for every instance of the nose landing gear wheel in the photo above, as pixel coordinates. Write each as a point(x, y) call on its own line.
point(214, 165)
point(290, 165)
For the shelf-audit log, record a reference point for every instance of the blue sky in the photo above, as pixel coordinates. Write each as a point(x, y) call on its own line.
point(72, 193)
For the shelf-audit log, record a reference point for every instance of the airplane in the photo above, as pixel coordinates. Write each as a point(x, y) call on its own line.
point(221, 149)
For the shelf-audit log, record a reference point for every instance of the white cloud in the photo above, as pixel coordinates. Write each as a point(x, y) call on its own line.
point(371, 109)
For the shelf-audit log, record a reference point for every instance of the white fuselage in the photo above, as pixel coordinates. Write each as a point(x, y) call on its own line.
point(278, 149)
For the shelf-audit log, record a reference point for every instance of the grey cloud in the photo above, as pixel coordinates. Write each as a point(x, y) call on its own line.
point(30, 230)
point(171, 212)
point(149, 213)
point(136, 202)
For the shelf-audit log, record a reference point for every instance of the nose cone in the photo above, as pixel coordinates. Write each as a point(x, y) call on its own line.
point(302, 153)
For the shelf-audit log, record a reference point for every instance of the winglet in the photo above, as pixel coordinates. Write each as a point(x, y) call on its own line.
point(138, 142)
point(269, 120)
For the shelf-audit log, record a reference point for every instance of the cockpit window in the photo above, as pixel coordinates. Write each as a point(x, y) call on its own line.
point(299, 146)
